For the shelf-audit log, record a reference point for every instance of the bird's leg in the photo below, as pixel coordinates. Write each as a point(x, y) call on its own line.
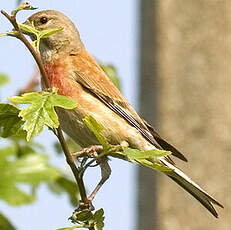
point(92, 151)
point(105, 174)
point(105, 171)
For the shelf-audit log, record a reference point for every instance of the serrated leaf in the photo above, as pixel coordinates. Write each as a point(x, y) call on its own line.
point(96, 128)
point(3, 77)
point(110, 71)
point(5, 223)
point(99, 219)
point(10, 123)
point(41, 110)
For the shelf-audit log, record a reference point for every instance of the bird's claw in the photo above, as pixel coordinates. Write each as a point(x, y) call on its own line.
point(91, 151)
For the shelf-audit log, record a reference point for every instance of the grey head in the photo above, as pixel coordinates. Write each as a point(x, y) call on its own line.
point(65, 41)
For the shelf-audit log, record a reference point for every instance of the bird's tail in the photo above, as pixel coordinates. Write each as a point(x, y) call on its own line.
point(190, 186)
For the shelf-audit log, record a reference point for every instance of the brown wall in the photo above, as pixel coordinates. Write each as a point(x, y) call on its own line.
point(194, 106)
point(192, 62)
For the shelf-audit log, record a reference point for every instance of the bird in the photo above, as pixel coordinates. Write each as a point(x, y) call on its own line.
point(75, 73)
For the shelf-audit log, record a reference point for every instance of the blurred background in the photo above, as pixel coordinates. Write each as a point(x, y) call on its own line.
point(173, 59)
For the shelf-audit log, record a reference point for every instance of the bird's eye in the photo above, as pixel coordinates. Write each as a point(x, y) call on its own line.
point(43, 20)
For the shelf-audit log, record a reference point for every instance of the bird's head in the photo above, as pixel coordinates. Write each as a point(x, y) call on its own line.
point(65, 40)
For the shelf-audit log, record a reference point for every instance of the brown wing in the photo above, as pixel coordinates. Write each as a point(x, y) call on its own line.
point(89, 74)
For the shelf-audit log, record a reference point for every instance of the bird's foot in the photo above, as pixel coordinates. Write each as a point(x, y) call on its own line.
point(91, 151)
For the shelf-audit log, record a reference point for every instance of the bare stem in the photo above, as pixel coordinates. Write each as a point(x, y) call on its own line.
point(44, 76)
point(34, 53)
point(74, 169)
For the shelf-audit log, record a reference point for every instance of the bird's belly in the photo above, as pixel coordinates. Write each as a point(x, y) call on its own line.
point(72, 124)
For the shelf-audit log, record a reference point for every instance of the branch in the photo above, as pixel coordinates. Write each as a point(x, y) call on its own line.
point(34, 53)
point(77, 174)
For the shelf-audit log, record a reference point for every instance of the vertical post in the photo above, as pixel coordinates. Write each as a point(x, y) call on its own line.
point(147, 219)
point(185, 66)
point(194, 107)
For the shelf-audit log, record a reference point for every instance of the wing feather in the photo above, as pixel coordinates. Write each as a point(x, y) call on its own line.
point(90, 75)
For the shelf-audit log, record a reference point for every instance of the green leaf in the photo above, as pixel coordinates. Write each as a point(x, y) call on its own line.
point(72, 227)
point(39, 33)
point(99, 219)
point(88, 220)
point(3, 79)
point(146, 158)
point(24, 148)
point(44, 34)
point(3, 34)
point(9, 150)
point(14, 196)
point(48, 33)
point(134, 154)
point(10, 123)
point(5, 223)
point(112, 74)
point(153, 165)
point(22, 6)
point(30, 29)
point(96, 128)
point(64, 185)
point(31, 169)
point(25, 6)
point(41, 110)
point(84, 216)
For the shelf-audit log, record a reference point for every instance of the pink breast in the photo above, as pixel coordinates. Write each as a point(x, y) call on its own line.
point(59, 77)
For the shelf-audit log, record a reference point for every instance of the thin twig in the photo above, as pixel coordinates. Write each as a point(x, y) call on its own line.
point(45, 79)
point(34, 53)
point(71, 162)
